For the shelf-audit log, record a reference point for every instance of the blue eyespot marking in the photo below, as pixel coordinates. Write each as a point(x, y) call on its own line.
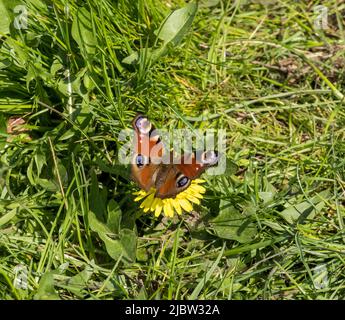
point(182, 181)
point(140, 161)
point(143, 125)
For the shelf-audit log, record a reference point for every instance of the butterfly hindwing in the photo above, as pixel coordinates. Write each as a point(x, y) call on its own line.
point(194, 164)
point(171, 181)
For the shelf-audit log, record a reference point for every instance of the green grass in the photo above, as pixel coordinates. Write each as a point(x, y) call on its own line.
point(260, 71)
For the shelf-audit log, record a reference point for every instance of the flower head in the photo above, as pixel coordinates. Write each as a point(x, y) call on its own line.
point(182, 201)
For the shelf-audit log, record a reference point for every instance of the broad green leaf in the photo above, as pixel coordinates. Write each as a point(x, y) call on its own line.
point(87, 82)
point(177, 24)
point(142, 295)
point(273, 225)
point(114, 216)
point(129, 243)
point(96, 225)
point(305, 209)
point(47, 184)
point(118, 242)
point(60, 171)
point(145, 54)
point(67, 135)
point(56, 66)
point(133, 58)
point(171, 31)
point(40, 160)
point(123, 245)
point(231, 167)
point(97, 198)
point(7, 217)
point(79, 281)
point(321, 280)
point(18, 53)
point(82, 31)
point(233, 225)
point(5, 20)
point(266, 196)
point(72, 84)
point(11, 10)
point(46, 290)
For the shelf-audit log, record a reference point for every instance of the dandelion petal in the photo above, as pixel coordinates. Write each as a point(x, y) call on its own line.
point(193, 199)
point(197, 188)
point(168, 210)
point(146, 204)
point(158, 209)
point(177, 206)
point(186, 205)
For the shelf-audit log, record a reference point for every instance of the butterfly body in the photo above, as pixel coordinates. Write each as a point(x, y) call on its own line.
point(150, 171)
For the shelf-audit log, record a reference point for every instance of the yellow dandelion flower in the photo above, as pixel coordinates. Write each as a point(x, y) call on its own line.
point(182, 202)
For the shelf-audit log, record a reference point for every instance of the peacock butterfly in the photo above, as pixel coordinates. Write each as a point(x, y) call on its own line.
point(170, 178)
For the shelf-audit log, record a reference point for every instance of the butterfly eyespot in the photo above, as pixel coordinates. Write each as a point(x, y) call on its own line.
point(209, 157)
point(140, 160)
point(182, 181)
point(143, 125)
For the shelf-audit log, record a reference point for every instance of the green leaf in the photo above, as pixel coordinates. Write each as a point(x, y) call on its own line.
point(97, 201)
point(177, 24)
point(5, 20)
point(118, 246)
point(232, 225)
point(46, 290)
point(145, 54)
point(7, 217)
point(266, 196)
point(72, 84)
point(273, 225)
point(133, 58)
point(79, 281)
point(47, 184)
point(82, 31)
point(17, 50)
point(129, 243)
point(68, 134)
point(41, 161)
point(114, 216)
point(96, 225)
point(56, 66)
point(305, 209)
point(142, 295)
point(171, 31)
point(119, 243)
